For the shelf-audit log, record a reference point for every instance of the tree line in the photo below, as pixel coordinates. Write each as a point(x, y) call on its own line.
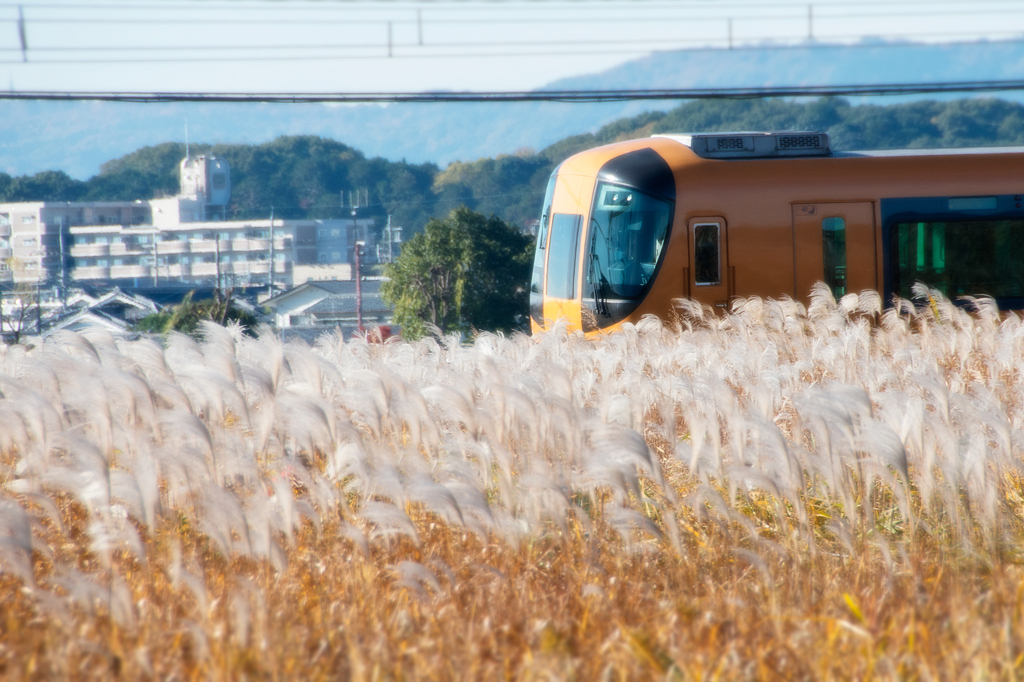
point(460, 270)
point(311, 177)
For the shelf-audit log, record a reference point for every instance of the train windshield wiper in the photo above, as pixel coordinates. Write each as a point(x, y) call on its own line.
point(599, 281)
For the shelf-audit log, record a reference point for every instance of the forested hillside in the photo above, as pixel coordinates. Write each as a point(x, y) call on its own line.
point(306, 176)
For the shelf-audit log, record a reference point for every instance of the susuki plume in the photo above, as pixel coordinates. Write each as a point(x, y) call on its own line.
point(775, 414)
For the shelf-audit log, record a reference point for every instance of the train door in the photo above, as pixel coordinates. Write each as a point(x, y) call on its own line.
point(834, 243)
point(710, 275)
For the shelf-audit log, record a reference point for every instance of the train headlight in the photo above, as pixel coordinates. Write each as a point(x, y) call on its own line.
point(616, 199)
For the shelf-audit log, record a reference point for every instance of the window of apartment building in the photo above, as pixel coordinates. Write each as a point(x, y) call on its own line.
point(240, 258)
point(225, 236)
point(336, 256)
point(29, 241)
point(5, 218)
point(278, 256)
point(209, 236)
point(323, 257)
point(335, 233)
point(207, 259)
point(143, 239)
point(321, 234)
point(101, 240)
point(101, 262)
point(3, 243)
point(28, 219)
point(118, 261)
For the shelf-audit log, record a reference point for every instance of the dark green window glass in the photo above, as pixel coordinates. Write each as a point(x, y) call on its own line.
point(960, 258)
point(706, 254)
point(833, 244)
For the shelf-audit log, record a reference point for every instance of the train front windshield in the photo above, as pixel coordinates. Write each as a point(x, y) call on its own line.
point(628, 229)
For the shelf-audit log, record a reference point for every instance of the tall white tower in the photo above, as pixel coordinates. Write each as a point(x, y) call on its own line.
point(208, 181)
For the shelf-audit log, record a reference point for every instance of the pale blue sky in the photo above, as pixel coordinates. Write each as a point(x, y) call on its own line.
point(343, 45)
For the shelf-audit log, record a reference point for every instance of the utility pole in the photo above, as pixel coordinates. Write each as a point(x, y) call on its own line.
point(272, 254)
point(359, 288)
point(63, 270)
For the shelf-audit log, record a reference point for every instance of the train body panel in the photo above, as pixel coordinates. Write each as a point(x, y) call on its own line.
point(656, 222)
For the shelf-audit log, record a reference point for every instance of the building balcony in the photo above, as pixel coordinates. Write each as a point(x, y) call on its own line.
point(86, 250)
point(203, 269)
point(130, 271)
point(165, 248)
point(121, 249)
point(174, 271)
point(6, 253)
point(202, 246)
point(91, 272)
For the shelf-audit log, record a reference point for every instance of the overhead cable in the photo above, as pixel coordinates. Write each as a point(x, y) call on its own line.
point(568, 96)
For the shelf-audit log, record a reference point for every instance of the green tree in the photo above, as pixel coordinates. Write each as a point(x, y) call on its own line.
point(186, 316)
point(463, 273)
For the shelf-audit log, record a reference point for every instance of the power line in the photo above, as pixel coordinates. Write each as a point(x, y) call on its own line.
point(643, 47)
point(458, 5)
point(567, 96)
point(819, 15)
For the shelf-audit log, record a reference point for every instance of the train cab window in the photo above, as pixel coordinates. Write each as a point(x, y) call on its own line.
point(707, 254)
point(833, 242)
point(562, 255)
point(627, 236)
point(970, 257)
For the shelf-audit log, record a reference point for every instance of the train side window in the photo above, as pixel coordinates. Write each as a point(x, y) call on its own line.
point(563, 250)
point(833, 244)
point(707, 254)
point(960, 257)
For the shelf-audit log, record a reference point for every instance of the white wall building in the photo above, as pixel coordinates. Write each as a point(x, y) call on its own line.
point(178, 240)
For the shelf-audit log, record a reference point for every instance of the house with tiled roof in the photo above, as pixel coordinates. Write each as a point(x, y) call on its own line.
point(326, 305)
point(116, 311)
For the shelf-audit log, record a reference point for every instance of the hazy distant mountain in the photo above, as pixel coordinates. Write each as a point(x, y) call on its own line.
point(77, 137)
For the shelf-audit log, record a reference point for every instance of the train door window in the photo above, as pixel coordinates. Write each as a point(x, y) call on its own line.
point(833, 242)
point(707, 257)
point(563, 248)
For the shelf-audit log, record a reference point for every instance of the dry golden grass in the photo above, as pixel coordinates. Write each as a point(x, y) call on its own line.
point(834, 493)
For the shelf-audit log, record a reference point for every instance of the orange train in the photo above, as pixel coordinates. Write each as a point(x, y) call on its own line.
point(626, 228)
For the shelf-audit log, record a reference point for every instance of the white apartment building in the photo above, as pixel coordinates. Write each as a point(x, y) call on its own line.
point(179, 240)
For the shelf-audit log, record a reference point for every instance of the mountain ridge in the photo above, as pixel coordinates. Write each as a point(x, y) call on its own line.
point(77, 137)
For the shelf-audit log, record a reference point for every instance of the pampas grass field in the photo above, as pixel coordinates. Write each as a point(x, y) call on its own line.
point(783, 493)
